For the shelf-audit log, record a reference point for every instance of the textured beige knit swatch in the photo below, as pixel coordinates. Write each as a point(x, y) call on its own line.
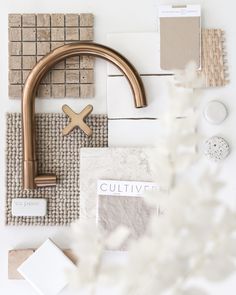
point(55, 154)
point(214, 63)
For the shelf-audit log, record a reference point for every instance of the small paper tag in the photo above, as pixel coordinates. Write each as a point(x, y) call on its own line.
point(124, 188)
point(179, 11)
point(29, 207)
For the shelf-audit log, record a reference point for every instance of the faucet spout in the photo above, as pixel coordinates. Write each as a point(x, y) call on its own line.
point(31, 179)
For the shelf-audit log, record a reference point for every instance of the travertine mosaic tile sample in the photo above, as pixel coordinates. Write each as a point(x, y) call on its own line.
point(31, 36)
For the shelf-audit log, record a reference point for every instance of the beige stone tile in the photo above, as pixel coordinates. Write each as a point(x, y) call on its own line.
point(43, 34)
point(14, 20)
point(73, 62)
point(72, 20)
point(86, 76)
point(14, 91)
point(72, 76)
point(57, 34)
point(15, 259)
point(72, 34)
point(56, 45)
point(25, 75)
point(58, 90)
point(43, 48)
point(86, 34)
point(46, 79)
point(15, 62)
point(28, 34)
point(86, 62)
point(28, 20)
point(60, 65)
point(14, 34)
point(44, 91)
point(29, 62)
point(29, 48)
point(43, 20)
point(58, 76)
point(86, 90)
point(14, 48)
point(15, 77)
point(72, 90)
point(57, 20)
point(86, 20)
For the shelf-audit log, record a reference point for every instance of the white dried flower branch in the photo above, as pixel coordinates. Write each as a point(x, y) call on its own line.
point(193, 236)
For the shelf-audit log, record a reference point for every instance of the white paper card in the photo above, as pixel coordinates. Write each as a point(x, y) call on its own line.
point(120, 102)
point(46, 269)
point(124, 188)
point(179, 10)
point(29, 207)
point(132, 133)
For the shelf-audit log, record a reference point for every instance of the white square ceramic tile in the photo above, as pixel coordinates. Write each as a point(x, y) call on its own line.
point(141, 49)
point(46, 269)
point(131, 133)
point(120, 101)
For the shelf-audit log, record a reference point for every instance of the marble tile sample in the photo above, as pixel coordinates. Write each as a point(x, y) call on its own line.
point(118, 90)
point(131, 212)
point(141, 49)
point(46, 269)
point(128, 132)
point(129, 164)
point(32, 36)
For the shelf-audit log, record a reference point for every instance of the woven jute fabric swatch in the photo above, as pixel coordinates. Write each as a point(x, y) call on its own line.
point(55, 154)
point(214, 63)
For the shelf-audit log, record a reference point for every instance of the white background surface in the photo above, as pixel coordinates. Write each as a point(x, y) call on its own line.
point(110, 16)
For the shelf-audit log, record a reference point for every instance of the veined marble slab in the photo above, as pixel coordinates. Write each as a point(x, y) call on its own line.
point(130, 164)
point(141, 49)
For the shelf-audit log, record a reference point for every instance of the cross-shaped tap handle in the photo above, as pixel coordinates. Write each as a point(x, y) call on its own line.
point(77, 120)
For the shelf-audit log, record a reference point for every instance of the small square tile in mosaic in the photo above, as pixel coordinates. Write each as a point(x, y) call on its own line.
point(72, 20)
point(57, 20)
point(72, 90)
point(43, 20)
point(86, 20)
point(14, 48)
point(29, 34)
point(29, 48)
point(28, 20)
point(14, 20)
point(58, 90)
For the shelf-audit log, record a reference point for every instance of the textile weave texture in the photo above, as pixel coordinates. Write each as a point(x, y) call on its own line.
point(55, 154)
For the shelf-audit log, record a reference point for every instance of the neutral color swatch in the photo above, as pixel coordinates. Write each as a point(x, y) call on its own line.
point(32, 36)
point(131, 212)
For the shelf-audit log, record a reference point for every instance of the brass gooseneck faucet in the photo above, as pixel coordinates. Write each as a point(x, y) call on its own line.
point(31, 179)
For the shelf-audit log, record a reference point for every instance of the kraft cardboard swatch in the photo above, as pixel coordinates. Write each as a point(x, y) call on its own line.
point(180, 36)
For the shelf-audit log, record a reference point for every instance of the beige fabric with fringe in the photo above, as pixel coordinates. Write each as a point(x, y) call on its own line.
point(55, 154)
point(214, 63)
